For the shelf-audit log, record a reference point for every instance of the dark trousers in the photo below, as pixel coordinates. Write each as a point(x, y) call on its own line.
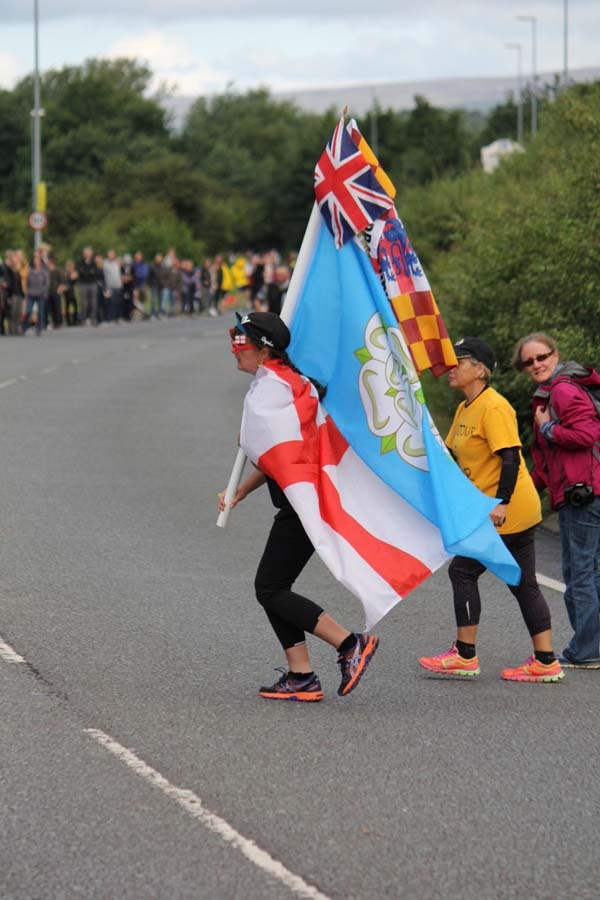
point(464, 574)
point(71, 307)
point(3, 312)
point(287, 552)
point(127, 303)
point(55, 310)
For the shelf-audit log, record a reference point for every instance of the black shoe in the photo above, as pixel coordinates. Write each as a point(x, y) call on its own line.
point(308, 689)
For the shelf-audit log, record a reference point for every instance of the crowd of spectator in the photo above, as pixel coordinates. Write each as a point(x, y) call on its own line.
point(97, 289)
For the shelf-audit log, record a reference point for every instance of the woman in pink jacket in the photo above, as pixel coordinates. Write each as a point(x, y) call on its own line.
point(566, 456)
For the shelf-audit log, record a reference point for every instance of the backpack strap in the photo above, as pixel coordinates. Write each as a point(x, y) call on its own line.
point(572, 376)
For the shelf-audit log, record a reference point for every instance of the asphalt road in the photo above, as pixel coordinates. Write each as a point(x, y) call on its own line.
point(136, 760)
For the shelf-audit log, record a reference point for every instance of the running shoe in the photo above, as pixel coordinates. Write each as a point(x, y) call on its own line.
point(450, 663)
point(354, 662)
point(309, 689)
point(534, 670)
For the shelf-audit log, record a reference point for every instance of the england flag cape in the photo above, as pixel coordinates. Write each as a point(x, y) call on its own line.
point(372, 541)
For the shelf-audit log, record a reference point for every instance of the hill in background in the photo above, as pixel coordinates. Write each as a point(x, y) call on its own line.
point(480, 94)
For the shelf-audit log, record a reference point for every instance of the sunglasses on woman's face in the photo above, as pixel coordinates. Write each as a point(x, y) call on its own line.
point(527, 363)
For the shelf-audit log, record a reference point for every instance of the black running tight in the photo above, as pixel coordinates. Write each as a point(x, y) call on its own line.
point(464, 573)
point(287, 552)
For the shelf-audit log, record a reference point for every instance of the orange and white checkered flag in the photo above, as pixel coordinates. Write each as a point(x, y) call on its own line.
point(404, 280)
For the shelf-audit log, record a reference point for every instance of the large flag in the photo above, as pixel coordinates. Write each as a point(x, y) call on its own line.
point(367, 472)
point(403, 278)
point(344, 334)
point(374, 542)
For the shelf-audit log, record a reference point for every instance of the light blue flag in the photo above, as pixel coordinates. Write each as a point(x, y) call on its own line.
point(345, 335)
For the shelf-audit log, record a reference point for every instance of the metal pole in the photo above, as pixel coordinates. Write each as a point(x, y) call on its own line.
point(518, 48)
point(566, 41)
point(374, 139)
point(534, 99)
point(37, 137)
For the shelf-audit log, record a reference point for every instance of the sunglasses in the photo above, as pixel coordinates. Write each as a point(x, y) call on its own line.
point(527, 363)
point(239, 341)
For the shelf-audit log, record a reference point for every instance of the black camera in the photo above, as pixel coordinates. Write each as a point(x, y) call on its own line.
point(579, 494)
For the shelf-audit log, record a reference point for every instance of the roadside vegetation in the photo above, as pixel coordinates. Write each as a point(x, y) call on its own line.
point(506, 253)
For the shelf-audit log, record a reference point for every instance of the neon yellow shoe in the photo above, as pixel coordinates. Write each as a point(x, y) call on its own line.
point(534, 670)
point(450, 663)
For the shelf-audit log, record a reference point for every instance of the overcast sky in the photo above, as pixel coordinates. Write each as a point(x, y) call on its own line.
point(200, 47)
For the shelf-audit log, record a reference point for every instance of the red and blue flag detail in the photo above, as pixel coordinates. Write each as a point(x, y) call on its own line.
point(347, 191)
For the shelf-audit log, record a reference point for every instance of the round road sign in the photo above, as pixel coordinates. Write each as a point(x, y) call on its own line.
point(37, 221)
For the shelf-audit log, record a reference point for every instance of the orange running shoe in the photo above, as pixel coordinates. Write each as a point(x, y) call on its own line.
point(534, 670)
point(354, 662)
point(450, 663)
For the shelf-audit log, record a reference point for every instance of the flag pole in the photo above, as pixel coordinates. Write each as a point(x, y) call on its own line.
point(287, 313)
point(232, 486)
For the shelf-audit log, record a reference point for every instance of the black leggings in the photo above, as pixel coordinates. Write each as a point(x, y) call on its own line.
point(464, 573)
point(287, 552)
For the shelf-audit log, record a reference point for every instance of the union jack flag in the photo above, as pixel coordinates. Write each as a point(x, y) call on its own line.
point(348, 194)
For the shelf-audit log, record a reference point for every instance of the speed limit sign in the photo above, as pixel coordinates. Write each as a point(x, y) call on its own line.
point(37, 221)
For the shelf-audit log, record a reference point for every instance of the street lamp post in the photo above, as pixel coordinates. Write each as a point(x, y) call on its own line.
point(533, 21)
point(36, 159)
point(566, 41)
point(519, 49)
point(374, 135)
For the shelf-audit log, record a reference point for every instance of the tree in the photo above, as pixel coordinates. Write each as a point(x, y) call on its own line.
point(529, 257)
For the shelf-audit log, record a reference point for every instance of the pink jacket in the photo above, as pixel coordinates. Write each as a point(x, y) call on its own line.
point(573, 452)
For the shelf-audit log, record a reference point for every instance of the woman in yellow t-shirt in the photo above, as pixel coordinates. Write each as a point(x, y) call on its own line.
point(484, 440)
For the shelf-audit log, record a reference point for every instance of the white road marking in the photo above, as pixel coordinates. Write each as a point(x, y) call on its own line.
point(550, 583)
point(7, 383)
point(193, 805)
point(8, 654)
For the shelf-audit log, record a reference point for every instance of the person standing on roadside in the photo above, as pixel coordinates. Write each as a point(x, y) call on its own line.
point(54, 299)
point(14, 292)
point(566, 457)
point(484, 440)
point(68, 293)
point(38, 285)
point(113, 285)
point(155, 283)
point(86, 281)
point(127, 286)
point(141, 272)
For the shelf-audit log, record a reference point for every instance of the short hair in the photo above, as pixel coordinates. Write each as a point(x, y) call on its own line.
point(540, 337)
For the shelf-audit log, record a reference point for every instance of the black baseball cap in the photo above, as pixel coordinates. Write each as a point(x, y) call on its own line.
point(478, 349)
point(264, 329)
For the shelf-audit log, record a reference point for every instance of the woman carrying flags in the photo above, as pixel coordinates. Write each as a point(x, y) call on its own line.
point(259, 343)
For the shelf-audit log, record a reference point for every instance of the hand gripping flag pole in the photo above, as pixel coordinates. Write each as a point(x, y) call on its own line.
point(287, 313)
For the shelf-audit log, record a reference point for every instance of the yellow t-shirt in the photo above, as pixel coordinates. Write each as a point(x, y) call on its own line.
point(479, 430)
